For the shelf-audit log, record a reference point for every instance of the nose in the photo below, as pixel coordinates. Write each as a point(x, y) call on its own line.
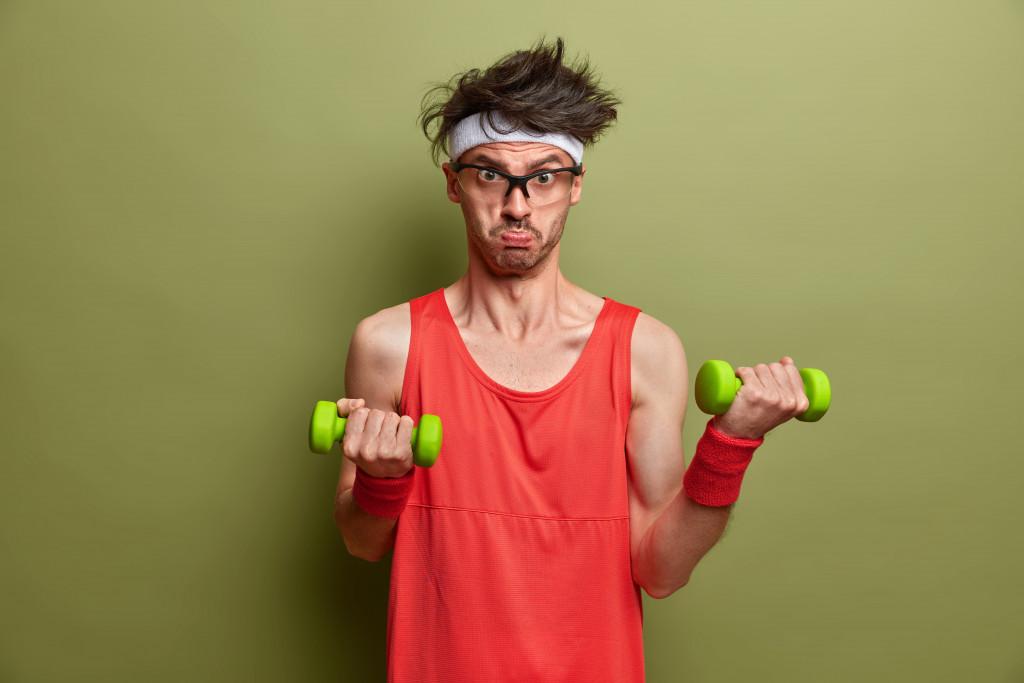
point(515, 205)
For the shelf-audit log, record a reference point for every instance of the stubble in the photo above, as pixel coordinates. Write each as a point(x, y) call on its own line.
point(515, 260)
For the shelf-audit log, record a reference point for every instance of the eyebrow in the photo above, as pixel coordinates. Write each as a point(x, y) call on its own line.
point(483, 159)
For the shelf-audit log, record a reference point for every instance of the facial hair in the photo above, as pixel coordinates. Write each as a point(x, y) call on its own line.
point(513, 260)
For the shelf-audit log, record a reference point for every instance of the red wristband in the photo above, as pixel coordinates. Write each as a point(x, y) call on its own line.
point(382, 496)
point(715, 475)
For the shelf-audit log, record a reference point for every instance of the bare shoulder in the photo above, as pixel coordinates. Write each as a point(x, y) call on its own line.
point(654, 341)
point(658, 360)
point(377, 356)
point(389, 329)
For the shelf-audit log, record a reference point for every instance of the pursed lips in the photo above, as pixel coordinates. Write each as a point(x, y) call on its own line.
point(516, 238)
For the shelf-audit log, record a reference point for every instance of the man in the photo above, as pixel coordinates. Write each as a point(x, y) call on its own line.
point(559, 491)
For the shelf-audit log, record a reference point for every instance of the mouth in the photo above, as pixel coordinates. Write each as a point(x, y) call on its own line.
point(516, 238)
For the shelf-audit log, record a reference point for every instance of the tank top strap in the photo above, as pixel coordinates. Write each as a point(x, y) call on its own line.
point(620, 320)
point(425, 311)
point(613, 342)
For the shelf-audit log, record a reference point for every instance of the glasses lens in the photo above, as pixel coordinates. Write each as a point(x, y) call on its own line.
point(491, 187)
point(550, 187)
point(483, 184)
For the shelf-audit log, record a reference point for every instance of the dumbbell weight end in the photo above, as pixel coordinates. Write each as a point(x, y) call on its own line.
point(818, 392)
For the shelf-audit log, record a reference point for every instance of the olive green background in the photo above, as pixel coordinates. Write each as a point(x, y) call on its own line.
point(199, 200)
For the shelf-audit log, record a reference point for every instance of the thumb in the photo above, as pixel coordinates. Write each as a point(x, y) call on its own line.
point(347, 405)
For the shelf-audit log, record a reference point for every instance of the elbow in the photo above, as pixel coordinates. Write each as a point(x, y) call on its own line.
point(353, 544)
point(660, 592)
point(366, 537)
point(358, 544)
point(659, 589)
point(357, 548)
point(363, 553)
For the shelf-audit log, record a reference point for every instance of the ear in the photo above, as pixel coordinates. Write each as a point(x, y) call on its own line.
point(577, 188)
point(451, 182)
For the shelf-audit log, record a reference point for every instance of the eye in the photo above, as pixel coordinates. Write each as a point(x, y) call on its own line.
point(488, 176)
point(545, 179)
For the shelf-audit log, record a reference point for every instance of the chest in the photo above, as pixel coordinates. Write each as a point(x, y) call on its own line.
point(533, 363)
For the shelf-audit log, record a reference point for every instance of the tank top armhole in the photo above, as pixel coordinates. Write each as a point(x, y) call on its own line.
point(624, 367)
point(410, 382)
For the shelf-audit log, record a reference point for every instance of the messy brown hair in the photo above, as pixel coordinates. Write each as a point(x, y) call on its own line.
point(531, 89)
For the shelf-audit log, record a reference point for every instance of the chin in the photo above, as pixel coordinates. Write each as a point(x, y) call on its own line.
point(521, 263)
point(515, 265)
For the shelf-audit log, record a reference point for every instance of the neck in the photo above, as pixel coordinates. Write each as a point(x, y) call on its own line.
point(515, 304)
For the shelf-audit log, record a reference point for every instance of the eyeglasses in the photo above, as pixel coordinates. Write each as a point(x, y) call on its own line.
point(491, 185)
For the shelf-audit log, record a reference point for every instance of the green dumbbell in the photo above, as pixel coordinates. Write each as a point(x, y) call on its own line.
point(326, 427)
point(717, 385)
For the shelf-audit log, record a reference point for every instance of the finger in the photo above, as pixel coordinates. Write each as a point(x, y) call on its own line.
point(753, 390)
point(749, 377)
point(389, 435)
point(789, 394)
point(368, 445)
point(354, 427)
point(347, 405)
point(405, 432)
point(794, 377)
point(374, 421)
point(786, 360)
point(797, 382)
point(781, 376)
point(766, 376)
point(768, 385)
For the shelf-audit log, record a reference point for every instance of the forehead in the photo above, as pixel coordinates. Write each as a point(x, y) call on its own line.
point(517, 154)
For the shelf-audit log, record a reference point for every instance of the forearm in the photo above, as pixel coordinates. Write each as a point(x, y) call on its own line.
point(675, 543)
point(366, 536)
point(696, 518)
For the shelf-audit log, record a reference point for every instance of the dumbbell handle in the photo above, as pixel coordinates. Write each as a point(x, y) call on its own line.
point(326, 427)
point(717, 385)
point(339, 431)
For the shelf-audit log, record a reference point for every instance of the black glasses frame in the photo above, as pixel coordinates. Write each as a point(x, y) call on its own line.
point(518, 180)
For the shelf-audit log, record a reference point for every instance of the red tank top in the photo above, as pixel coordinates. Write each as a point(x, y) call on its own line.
point(511, 560)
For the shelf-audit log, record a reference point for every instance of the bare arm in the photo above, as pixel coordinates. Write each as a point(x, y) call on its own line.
point(669, 533)
point(376, 438)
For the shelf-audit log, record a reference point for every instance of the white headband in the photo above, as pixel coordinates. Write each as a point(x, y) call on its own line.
point(477, 130)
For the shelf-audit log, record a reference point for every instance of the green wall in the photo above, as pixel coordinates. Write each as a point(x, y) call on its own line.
point(199, 200)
